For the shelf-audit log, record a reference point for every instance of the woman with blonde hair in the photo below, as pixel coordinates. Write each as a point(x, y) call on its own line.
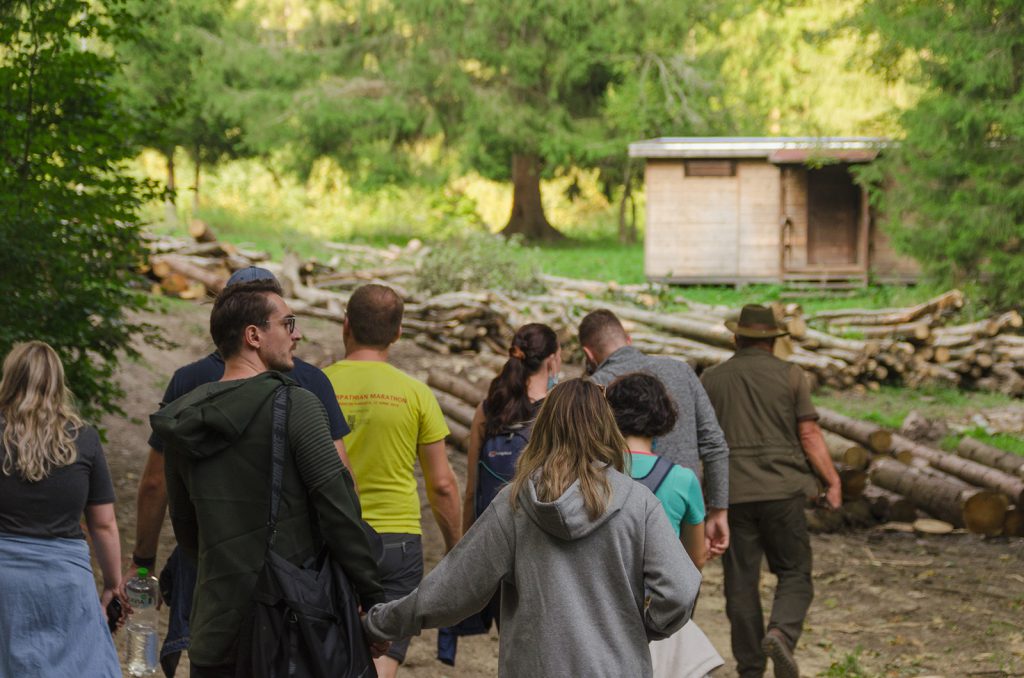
point(588, 567)
point(52, 470)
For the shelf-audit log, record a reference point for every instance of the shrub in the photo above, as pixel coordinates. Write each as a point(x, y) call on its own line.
point(479, 261)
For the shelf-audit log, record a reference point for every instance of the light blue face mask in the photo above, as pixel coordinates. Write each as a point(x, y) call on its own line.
point(552, 381)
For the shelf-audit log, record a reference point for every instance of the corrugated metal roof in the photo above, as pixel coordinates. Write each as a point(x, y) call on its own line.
point(748, 147)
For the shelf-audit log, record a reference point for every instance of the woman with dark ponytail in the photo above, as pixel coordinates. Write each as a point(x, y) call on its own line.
point(503, 420)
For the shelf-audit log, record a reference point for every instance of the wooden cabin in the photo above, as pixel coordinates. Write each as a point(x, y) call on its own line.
point(735, 210)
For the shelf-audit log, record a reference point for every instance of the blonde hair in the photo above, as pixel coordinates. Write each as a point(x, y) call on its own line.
point(40, 423)
point(574, 438)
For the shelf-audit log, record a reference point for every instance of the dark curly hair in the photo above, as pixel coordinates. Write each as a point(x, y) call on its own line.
point(641, 405)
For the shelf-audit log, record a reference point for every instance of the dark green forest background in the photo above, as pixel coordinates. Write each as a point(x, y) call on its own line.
point(376, 119)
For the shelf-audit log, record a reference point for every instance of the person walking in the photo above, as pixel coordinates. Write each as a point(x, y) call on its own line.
point(52, 471)
point(765, 409)
point(498, 434)
point(179, 575)
point(395, 421)
point(502, 422)
point(588, 566)
point(644, 411)
point(218, 463)
point(696, 441)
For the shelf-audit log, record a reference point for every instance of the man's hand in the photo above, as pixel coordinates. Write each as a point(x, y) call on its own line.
point(716, 532)
point(379, 648)
point(834, 496)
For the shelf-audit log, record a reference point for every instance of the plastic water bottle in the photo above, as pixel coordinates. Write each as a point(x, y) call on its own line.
point(142, 591)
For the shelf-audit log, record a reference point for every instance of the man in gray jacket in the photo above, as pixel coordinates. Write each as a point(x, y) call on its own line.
point(697, 439)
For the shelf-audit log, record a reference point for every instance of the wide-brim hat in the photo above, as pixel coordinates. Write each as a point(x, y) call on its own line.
point(756, 322)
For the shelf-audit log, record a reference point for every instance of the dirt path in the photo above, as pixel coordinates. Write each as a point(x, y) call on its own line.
point(892, 604)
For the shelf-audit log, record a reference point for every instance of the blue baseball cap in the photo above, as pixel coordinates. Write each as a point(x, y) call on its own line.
point(249, 274)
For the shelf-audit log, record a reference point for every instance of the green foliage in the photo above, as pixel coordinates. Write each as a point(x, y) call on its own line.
point(847, 667)
point(479, 261)
point(793, 67)
point(954, 186)
point(170, 78)
point(891, 405)
point(1004, 441)
point(565, 83)
point(68, 232)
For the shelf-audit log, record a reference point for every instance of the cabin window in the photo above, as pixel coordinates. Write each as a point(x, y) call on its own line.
point(709, 168)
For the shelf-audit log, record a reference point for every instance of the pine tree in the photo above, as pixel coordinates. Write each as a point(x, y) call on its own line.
point(952, 190)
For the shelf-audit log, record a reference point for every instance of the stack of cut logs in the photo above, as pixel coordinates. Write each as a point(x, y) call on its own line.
point(909, 346)
point(889, 477)
point(886, 478)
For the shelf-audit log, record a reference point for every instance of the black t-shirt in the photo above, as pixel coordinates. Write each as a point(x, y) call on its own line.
point(211, 368)
point(53, 506)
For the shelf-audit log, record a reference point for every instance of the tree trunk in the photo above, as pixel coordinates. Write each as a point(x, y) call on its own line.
point(981, 511)
point(965, 469)
point(195, 184)
point(454, 408)
point(846, 453)
point(1007, 462)
point(627, 228)
point(170, 208)
point(458, 435)
point(888, 505)
point(527, 218)
point(867, 434)
point(469, 393)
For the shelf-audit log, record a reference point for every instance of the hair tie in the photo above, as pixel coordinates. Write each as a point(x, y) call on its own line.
point(517, 352)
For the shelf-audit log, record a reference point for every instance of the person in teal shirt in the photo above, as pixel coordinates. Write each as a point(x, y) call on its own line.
point(643, 410)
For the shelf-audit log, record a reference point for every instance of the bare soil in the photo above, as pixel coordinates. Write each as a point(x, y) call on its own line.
point(886, 604)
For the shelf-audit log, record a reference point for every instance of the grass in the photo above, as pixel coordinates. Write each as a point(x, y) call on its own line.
point(890, 406)
point(847, 667)
point(1003, 441)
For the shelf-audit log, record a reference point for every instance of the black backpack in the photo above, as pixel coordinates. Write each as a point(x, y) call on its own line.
point(305, 623)
point(656, 476)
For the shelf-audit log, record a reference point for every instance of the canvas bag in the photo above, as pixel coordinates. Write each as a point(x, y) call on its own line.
point(305, 623)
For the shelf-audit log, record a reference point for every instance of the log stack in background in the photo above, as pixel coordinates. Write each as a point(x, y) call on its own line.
point(853, 348)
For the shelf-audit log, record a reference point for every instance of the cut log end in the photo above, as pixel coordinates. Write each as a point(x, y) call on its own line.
point(985, 513)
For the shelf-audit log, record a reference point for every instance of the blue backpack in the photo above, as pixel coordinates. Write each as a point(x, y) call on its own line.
point(497, 464)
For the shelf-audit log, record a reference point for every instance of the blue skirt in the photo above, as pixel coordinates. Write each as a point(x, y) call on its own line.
point(51, 621)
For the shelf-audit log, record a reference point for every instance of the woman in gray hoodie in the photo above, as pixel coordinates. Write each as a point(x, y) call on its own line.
point(588, 567)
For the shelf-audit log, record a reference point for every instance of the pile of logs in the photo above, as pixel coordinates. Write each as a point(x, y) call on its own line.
point(888, 477)
point(859, 349)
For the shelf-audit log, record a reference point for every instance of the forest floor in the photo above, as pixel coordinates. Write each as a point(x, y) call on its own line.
point(886, 604)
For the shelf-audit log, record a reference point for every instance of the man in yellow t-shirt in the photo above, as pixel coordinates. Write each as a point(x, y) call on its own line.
point(394, 420)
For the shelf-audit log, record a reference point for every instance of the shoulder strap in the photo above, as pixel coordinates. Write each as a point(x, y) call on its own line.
point(656, 476)
point(278, 449)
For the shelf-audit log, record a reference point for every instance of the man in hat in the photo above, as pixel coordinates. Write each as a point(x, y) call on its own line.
point(764, 407)
point(151, 503)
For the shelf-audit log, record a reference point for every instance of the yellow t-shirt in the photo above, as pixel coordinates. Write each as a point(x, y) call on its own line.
point(390, 414)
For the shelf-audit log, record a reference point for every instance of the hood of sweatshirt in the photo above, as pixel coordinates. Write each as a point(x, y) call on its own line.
point(212, 417)
point(566, 517)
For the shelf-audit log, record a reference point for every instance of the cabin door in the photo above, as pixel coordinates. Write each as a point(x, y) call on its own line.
point(833, 217)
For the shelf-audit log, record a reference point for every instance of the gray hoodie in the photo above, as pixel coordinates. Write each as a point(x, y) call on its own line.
point(579, 597)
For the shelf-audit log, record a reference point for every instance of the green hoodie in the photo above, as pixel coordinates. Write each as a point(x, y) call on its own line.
point(217, 461)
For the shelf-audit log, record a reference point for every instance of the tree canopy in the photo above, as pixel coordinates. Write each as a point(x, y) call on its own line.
point(69, 234)
point(952, 189)
point(527, 88)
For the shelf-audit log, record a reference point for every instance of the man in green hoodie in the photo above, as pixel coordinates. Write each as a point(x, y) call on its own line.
point(219, 514)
